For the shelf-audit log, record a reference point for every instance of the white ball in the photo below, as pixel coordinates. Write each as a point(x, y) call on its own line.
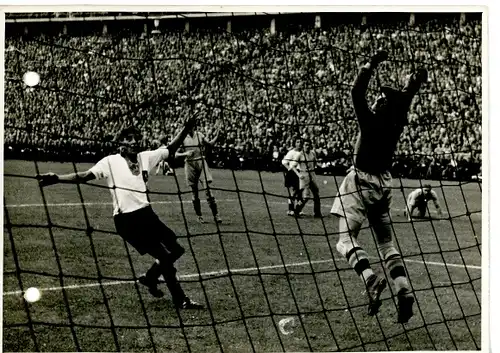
point(325, 182)
point(32, 294)
point(287, 322)
point(31, 78)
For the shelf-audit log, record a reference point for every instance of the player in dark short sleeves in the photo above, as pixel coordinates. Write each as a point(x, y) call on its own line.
point(135, 221)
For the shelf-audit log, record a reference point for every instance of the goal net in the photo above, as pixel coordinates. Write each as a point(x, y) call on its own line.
point(268, 282)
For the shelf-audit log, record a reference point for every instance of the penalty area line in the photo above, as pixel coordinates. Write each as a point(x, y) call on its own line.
point(233, 271)
point(191, 275)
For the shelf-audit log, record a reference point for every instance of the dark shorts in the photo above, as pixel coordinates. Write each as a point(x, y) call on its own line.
point(421, 209)
point(291, 180)
point(146, 232)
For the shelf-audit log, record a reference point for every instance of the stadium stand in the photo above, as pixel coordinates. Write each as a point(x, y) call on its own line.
point(54, 129)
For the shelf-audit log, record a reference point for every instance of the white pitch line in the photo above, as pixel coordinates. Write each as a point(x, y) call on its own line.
point(443, 264)
point(191, 275)
point(236, 270)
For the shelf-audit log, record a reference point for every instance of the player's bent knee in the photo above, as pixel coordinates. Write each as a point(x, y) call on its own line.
point(346, 243)
point(348, 233)
point(344, 246)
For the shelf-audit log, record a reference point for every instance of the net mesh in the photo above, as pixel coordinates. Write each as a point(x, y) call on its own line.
point(269, 282)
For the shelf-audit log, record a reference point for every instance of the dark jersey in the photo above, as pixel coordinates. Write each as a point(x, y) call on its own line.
point(379, 132)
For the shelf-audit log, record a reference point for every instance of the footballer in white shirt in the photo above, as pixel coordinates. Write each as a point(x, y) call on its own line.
point(292, 176)
point(197, 170)
point(127, 175)
point(307, 179)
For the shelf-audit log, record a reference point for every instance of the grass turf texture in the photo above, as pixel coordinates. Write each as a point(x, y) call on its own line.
point(243, 282)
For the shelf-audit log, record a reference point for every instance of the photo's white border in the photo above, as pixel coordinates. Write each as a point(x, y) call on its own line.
point(227, 4)
point(491, 33)
point(492, 147)
point(2, 112)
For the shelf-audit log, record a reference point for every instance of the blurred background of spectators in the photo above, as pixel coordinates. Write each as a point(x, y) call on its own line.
point(265, 89)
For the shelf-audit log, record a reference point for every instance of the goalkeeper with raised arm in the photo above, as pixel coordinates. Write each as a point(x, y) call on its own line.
point(127, 174)
point(366, 190)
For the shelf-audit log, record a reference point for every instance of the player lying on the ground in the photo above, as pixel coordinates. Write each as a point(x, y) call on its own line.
point(135, 221)
point(366, 190)
point(292, 175)
point(197, 170)
point(164, 168)
point(307, 180)
point(418, 200)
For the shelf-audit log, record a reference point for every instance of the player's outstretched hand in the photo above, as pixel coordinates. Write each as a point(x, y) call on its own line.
point(47, 179)
point(380, 56)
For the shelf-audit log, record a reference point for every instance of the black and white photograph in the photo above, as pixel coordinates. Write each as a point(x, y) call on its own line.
point(211, 180)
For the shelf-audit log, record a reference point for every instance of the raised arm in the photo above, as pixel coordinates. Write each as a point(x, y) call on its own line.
point(214, 140)
point(71, 178)
point(177, 141)
point(358, 91)
point(419, 77)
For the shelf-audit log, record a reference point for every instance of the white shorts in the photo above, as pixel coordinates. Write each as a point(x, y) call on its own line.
point(197, 171)
point(361, 193)
point(308, 181)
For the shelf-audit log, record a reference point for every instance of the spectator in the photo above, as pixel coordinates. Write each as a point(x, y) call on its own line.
point(263, 89)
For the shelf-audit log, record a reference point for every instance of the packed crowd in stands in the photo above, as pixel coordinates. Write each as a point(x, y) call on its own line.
point(263, 89)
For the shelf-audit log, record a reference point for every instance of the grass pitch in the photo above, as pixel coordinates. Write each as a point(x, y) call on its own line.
point(254, 270)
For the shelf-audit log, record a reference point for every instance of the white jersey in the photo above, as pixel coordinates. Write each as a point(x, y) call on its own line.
point(417, 197)
point(128, 190)
point(307, 162)
point(194, 143)
point(291, 159)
